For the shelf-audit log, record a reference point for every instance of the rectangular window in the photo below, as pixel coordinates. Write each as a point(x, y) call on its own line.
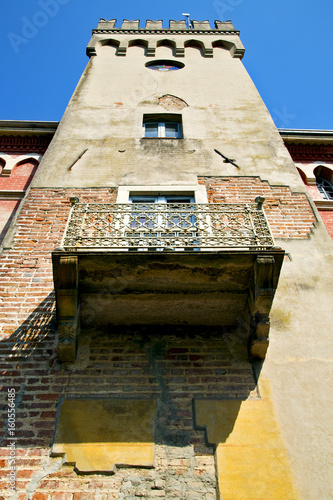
point(151, 130)
point(162, 126)
point(172, 130)
point(170, 225)
point(173, 224)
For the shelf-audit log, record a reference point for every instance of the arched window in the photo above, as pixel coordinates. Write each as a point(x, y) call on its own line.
point(2, 164)
point(325, 187)
point(324, 181)
point(302, 174)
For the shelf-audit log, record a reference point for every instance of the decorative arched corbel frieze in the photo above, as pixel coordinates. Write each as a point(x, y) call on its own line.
point(197, 44)
point(208, 51)
point(122, 48)
point(234, 46)
point(91, 47)
point(11, 162)
point(151, 49)
point(98, 41)
point(180, 49)
point(166, 42)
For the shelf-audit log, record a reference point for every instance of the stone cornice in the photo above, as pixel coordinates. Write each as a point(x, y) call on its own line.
point(11, 194)
point(324, 204)
point(310, 151)
point(307, 136)
point(27, 127)
point(25, 144)
point(164, 31)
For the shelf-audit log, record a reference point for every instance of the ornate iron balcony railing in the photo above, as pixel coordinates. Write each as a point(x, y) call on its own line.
point(169, 226)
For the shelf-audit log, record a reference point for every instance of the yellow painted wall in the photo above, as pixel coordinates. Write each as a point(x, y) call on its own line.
point(97, 434)
point(252, 462)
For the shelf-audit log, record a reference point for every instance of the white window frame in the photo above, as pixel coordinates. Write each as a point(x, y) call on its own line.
point(325, 188)
point(197, 190)
point(161, 125)
point(159, 199)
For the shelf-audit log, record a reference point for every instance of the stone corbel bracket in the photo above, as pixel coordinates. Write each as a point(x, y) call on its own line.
point(266, 273)
point(65, 271)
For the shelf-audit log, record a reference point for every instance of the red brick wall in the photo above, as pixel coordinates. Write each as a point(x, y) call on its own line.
point(19, 180)
point(289, 214)
point(20, 177)
point(171, 102)
point(26, 271)
point(7, 212)
point(314, 192)
point(327, 216)
point(316, 195)
point(173, 367)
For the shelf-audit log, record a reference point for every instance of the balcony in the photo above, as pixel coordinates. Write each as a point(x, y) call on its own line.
point(167, 227)
point(165, 264)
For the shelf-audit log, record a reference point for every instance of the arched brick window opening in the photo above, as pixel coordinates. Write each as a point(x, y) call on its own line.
point(2, 164)
point(302, 174)
point(171, 102)
point(324, 180)
point(24, 171)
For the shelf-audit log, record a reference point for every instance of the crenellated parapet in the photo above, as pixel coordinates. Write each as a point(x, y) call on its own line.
point(178, 35)
point(105, 24)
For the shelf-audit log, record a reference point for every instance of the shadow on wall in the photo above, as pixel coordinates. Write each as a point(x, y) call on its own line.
point(7, 216)
point(31, 340)
point(141, 381)
point(28, 355)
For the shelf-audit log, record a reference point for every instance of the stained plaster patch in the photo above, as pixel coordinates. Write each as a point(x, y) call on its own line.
point(97, 434)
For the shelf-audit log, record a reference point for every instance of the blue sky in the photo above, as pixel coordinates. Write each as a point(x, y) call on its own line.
point(288, 51)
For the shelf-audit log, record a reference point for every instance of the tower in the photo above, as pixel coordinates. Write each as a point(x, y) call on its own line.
point(182, 240)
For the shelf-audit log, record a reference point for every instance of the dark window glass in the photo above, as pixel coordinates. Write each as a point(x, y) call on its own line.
point(151, 130)
point(325, 188)
point(171, 129)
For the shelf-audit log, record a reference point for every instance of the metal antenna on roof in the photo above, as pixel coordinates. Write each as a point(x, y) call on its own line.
point(188, 22)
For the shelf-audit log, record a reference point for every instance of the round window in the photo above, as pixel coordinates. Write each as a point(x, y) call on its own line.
point(163, 65)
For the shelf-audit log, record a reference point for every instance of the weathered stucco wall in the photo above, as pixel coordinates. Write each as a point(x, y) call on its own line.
point(104, 116)
point(299, 360)
point(298, 363)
